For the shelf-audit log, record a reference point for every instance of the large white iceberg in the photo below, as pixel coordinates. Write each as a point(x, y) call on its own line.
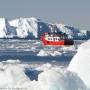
point(80, 64)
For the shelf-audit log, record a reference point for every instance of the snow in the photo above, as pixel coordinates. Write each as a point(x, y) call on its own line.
point(48, 78)
point(80, 63)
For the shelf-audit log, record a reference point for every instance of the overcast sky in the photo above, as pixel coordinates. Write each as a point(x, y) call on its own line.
point(72, 12)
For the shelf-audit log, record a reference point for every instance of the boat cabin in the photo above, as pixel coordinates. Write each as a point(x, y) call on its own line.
point(55, 37)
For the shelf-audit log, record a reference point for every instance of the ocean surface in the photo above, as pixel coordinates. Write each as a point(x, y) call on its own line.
point(27, 51)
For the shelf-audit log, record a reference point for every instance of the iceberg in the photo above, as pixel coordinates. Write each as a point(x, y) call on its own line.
point(33, 28)
point(80, 63)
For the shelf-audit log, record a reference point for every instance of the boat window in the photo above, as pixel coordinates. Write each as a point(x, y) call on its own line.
point(56, 38)
point(53, 38)
point(49, 38)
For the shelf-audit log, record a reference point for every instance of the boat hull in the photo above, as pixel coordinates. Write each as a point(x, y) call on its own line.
point(57, 43)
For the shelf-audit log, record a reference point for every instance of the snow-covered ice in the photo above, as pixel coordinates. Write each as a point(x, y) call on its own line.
point(19, 75)
point(33, 28)
point(80, 64)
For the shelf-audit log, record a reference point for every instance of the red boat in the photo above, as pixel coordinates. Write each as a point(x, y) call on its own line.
point(56, 39)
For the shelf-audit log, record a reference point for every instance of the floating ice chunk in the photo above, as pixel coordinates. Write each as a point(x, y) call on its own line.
point(49, 53)
point(12, 61)
point(42, 53)
point(56, 53)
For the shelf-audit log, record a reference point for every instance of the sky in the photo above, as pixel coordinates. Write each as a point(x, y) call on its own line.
point(71, 12)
